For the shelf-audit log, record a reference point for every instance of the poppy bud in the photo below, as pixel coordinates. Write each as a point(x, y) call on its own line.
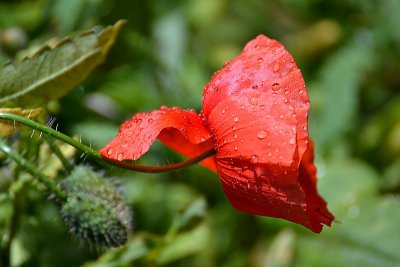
point(95, 210)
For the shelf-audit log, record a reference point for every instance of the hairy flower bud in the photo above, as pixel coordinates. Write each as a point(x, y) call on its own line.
point(95, 210)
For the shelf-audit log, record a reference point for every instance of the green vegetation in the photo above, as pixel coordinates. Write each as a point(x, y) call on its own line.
point(164, 54)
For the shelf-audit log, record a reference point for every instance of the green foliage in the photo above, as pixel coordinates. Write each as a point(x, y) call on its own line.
point(348, 52)
point(53, 70)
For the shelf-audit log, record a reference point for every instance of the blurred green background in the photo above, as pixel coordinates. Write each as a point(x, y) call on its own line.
point(349, 53)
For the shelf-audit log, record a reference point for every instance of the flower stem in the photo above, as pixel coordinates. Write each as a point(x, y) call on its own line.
point(95, 154)
point(165, 168)
point(54, 133)
point(24, 164)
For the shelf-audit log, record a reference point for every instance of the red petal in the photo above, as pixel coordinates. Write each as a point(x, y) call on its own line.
point(138, 133)
point(259, 146)
point(263, 65)
point(316, 206)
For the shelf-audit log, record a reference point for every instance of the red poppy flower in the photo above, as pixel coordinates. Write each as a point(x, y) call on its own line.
point(255, 117)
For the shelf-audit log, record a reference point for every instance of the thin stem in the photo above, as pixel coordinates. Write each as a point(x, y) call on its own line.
point(23, 163)
point(67, 165)
point(90, 151)
point(51, 132)
point(165, 168)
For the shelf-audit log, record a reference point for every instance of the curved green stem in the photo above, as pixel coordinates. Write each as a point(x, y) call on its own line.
point(23, 163)
point(54, 133)
point(95, 154)
point(165, 168)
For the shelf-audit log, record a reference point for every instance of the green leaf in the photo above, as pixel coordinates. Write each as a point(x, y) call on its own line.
point(54, 70)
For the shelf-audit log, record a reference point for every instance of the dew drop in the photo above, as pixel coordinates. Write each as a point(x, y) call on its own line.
point(276, 86)
point(294, 115)
point(129, 134)
point(269, 154)
point(235, 135)
point(292, 141)
point(223, 111)
point(233, 127)
point(120, 156)
point(255, 87)
point(257, 46)
point(300, 91)
point(163, 107)
point(150, 120)
point(242, 106)
point(305, 128)
point(254, 159)
point(260, 60)
point(262, 107)
point(109, 151)
point(290, 107)
point(281, 116)
point(202, 138)
point(262, 134)
point(285, 100)
point(235, 148)
point(254, 100)
point(236, 119)
point(276, 67)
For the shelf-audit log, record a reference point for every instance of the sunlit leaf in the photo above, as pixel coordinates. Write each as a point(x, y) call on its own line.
point(53, 71)
point(8, 127)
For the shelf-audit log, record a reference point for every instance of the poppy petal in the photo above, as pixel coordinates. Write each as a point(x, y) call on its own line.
point(190, 136)
point(264, 65)
point(259, 147)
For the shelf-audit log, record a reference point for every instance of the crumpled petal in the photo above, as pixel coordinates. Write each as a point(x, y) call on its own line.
point(257, 111)
point(264, 65)
point(190, 136)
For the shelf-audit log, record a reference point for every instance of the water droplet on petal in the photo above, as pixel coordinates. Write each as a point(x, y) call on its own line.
point(262, 134)
point(233, 127)
point(293, 115)
point(254, 100)
point(120, 156)
point(242, 106)
point(235, 148)
point(292, 141)
point(285, 100)
point(269, 154)
point(236, 119)
point(281, 116)
point(262, 107)
point(163, 107)
point(129, 134)
point(109, 151)
point(223, 111)
point(276, 67)
point(276, 86)
point(260, 60)
point(202, 139)
point(290, 107)
point(235, 135)
point(254, 159)
point(300, 91)
point(305, 128)
point(257, 46)
point(255, 87)
point(150, 120)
